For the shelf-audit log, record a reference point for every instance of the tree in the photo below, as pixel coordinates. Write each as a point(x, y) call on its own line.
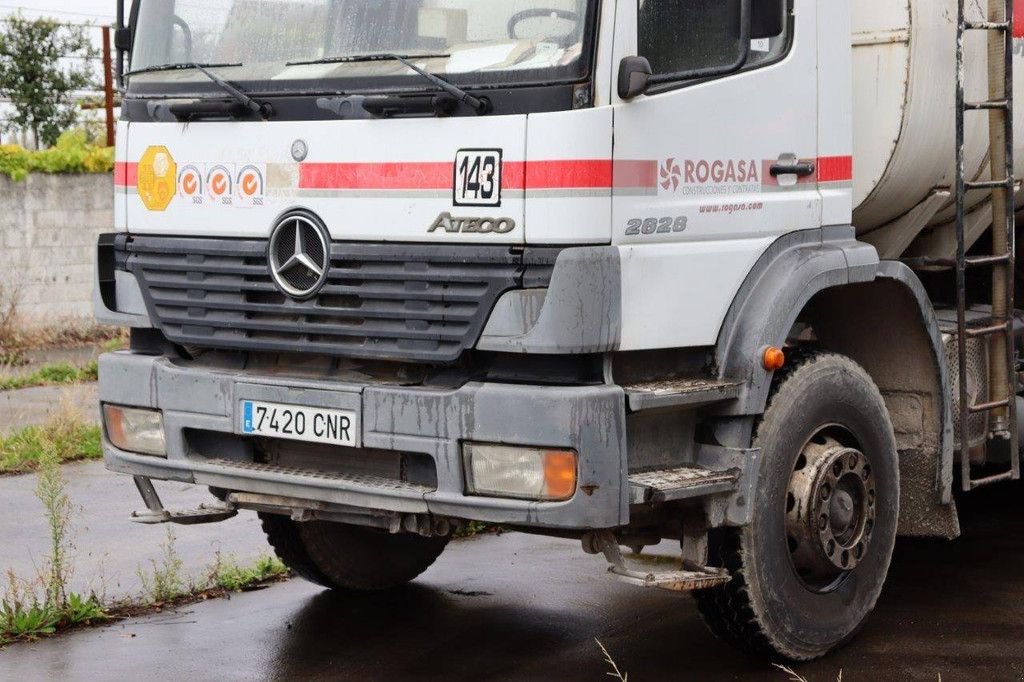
point(42, 64)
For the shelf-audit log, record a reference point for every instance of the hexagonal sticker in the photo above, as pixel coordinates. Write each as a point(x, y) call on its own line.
point(157, 178)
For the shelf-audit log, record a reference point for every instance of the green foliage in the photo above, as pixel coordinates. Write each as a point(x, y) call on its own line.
point(72, 153)
point(30, 618)
point(472, 528)
point(232, 577)
point(81, 609)
point(165, 582)
point(37, 77)
point(56, 373)
point(65, 437)
point(20, 620)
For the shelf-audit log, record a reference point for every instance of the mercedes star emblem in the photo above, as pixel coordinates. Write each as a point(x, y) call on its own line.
point(299, 254)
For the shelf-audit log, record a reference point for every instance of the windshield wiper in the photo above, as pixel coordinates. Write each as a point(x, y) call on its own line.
point(477, 104)
point(260, 108)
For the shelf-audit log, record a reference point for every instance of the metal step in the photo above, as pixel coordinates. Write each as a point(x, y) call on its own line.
point(686, 391)
point(679, 581)
point(666, 485)
point(687, 577)
point(211, 513)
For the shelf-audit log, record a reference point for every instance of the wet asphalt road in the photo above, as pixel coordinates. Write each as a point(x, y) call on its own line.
point(515, 607)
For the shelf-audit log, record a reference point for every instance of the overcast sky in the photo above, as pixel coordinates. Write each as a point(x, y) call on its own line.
point(96, 11)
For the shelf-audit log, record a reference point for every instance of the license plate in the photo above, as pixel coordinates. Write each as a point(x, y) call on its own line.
point(295, 422)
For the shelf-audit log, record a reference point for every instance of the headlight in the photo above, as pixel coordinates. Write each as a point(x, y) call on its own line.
point(525, 473)
point(135, 430)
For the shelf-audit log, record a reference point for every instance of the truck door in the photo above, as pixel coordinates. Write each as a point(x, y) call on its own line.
point(709, 170)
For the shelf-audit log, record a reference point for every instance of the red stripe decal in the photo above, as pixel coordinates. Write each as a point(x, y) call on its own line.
point(835, 168)
point(633, 174)
point(516, 175)
point(588, 174)
point(437, 175)
point(1018, 18)
point(125, 174)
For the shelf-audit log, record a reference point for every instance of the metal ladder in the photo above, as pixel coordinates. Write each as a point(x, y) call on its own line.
point(1001, 401)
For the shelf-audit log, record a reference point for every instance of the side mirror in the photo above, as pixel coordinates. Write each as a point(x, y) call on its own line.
point(123, 39)
point(634, 77)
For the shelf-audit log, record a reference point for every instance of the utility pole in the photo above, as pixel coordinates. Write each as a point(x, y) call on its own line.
point(108, 86)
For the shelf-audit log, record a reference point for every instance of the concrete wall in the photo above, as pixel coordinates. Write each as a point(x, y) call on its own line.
point(48, 230)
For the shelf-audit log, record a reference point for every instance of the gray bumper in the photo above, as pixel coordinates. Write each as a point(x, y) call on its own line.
point(431, 421)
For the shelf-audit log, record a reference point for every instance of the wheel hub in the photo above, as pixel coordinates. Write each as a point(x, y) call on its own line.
point(830, 510)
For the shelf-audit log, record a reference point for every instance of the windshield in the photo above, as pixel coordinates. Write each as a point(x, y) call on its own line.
point(262, 42)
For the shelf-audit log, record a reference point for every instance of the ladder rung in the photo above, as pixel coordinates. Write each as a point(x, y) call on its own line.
point(985, 407)
point(987, 331)
point(989, 184)
point(987, 25)
point(995, 478)
point(975, 261)
point(987, 104)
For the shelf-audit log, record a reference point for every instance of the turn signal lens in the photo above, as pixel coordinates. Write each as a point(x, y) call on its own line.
point(773, 358)
point(517, 472)
point(135, 430)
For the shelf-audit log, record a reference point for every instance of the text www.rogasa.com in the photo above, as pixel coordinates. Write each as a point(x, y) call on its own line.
point(733, 208)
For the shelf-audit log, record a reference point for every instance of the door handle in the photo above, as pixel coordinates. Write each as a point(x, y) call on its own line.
point(801, 170)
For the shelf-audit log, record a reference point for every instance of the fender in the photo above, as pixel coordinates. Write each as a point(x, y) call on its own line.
point(851, 297)
point(791, 271)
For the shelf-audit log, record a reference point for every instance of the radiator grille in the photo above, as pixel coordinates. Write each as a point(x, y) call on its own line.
point(400, 301)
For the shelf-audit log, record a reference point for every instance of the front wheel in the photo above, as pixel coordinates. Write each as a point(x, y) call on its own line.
point(346, 557)
point(809, 568)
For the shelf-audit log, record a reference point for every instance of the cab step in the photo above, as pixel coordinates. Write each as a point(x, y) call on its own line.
point(687, 578)
point(211, 513)
point(667, 485)
point(680, 392)
point(155, 512)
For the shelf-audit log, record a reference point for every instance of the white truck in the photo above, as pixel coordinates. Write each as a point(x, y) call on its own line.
point(732, 273)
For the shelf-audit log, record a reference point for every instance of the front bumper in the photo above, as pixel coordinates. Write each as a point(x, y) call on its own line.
point(430, 421)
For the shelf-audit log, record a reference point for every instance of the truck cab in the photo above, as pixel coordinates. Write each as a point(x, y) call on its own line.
point(575, 267)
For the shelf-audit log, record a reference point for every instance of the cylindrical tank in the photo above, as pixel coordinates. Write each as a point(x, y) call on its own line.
point(904, 70)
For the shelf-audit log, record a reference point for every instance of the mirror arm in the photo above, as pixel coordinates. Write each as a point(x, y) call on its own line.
point(711, 71)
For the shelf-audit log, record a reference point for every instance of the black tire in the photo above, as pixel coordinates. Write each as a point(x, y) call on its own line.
point(767, 609)
point(345, 557)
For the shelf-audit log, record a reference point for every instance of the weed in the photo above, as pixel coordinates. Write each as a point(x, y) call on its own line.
point(10, 299)
point(66, 437)
point(57, 507)
point(23, 615)
point(474, 528)
point(12, 358)
point(165, 582)
point(119, 342)
point(230, 576)
point(83, 609)
point(615, 672)
point(52, 374)
point(796, 677)
point(19, 620)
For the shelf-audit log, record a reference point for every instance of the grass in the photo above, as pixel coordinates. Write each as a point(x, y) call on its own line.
point(228, 575)
point(52, 375)
point(66, 437)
